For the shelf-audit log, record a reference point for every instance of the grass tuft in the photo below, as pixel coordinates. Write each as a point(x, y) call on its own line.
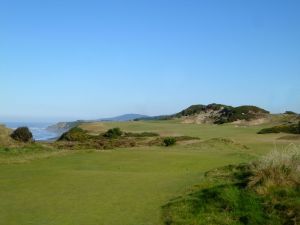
point(277, 169)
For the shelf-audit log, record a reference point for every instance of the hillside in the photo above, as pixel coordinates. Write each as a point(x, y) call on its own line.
point(62, 127)
point(125, 117)
point(218, 114)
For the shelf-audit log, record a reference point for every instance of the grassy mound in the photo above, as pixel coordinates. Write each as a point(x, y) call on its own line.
point(219, 143)
point(288, 128)
point(26, 152)
point(265, 192)
point(5, 139)
point(77, 138)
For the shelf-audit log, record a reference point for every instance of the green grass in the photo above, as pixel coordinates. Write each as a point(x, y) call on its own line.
point(116, 187)
point(122, 186)
point(264, 192)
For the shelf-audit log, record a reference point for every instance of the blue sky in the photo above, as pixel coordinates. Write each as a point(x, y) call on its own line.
point(64, 60)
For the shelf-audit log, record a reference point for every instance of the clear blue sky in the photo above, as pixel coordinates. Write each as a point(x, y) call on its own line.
point(64, 60)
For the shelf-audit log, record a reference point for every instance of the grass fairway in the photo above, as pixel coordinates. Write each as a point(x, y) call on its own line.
point(122, 186)
point(110, 187)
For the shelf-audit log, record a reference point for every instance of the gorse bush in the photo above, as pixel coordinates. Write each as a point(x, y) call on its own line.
point(113, 133)
point(74, 134)
point(290, 113)
point(22, 134)
point(290, 128)
point(169, 141)
point(277, 169)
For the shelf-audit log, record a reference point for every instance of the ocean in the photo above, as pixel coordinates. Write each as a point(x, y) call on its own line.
point(38, 130)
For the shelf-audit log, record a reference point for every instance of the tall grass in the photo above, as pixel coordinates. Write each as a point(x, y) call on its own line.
point(280, 168)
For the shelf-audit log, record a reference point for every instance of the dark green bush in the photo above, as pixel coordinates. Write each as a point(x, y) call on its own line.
point(74, 134)
point(169, 141)
point(290, 113)
point(113, 133)
point(22, 134)
point(246, 112)
point(290, 128)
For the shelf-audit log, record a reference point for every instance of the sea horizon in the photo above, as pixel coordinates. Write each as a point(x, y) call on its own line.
point(38, 129)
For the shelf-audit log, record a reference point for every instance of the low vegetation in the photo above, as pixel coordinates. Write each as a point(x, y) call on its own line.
point(264, 192)
point(287, 128)
point(169, 141)
point(277, 169)
point(75, 134)
point(77, 138)
point(142, 134)
point(113, 133)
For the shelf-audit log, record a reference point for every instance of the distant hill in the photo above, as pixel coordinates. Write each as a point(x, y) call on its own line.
point(62, 127)
point(125, 117)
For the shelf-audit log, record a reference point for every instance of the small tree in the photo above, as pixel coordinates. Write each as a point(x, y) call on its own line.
point(22, 134)
point(299, 127)
point(168, 141)
point(113, 133)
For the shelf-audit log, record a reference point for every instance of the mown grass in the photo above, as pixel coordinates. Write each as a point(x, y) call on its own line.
point(113, 187)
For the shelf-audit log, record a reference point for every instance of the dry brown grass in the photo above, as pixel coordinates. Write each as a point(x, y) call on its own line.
point(277, 169)
point(5, 139)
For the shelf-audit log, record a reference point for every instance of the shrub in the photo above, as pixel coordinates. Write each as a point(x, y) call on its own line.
point(291, 128)
point(245, 112)
point(169, 141)
point(74, 134)
point(290, 113)
point(22, 134)
point(277, 169)
point(113, 133)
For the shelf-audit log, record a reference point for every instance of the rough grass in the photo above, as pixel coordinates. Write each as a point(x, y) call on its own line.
point(28, 152)
point(265, 192)
point(5, 138)
point(277, 169)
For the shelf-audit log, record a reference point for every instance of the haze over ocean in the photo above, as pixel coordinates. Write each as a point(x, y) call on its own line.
point(38, 130)
point(67, 60)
